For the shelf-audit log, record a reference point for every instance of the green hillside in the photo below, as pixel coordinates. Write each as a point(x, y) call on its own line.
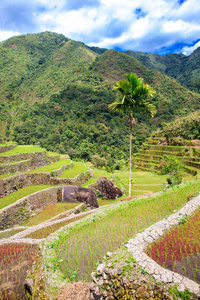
point(55, 93)
point(171, 100)
point(185, 69)
point(183, 131)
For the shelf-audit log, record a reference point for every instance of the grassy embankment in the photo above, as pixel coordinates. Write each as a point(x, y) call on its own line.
point(51, 167)
point(49, 212)
point(12, 198)
point(23, 149)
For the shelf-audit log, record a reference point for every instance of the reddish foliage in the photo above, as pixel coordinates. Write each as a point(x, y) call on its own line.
point(179, 243)
point(15, 260)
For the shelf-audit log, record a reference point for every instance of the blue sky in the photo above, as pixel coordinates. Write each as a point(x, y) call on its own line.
point(157, 26)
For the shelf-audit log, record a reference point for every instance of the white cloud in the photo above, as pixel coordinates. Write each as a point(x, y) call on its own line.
point(4, 35)
point(137, 24)
point(188, 50)
point(180, 27)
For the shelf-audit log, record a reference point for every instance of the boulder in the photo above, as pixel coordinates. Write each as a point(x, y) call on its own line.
point(78, 194)
point(107, 189)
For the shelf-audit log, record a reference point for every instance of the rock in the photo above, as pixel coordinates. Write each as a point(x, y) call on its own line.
point(60, 195)
point(107, 189)
point(78, 194)
point(94, 288)
point(97, 297)
point(29, 285)
point(100, 269)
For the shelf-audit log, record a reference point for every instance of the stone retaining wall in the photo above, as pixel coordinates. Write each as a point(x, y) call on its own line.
point(61, 170)
point(34, 161)
point(7, 148)
point(22, 209)
point(19, 166)
point(78, 180)
point(15, 157)
point(138, 245)
point(120, 277)
point(54, 158)
point(192, 164)
point(13, 183)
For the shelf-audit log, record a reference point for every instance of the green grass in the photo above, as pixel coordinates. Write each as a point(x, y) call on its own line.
point(97, 174)
point(12, 198)
point(10, 233)
point(52, 167)
point(103, 202)
point(7, 143)
point(23, 149)
point(49, 212)
point(52, 154)
point(8, 175)
point(78, 168)
point(79, 249)
point(143, 181)
point(13, 162)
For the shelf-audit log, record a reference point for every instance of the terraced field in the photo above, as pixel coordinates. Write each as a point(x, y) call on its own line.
point(150, 156)
point(29, 200)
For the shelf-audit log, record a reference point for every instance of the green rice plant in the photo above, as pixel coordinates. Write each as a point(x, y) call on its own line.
point(12, 198)
point(113, 228)
point(181, 245)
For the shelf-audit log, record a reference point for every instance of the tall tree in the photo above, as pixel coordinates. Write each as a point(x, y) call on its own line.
point(132, 99)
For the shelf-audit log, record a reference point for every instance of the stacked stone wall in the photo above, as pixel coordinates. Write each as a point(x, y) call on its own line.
point(78, 180)
point(61, 170)
point(34, 161)
point(13, 183)
point(15, 157)
point(7, 148)
point(21, 210)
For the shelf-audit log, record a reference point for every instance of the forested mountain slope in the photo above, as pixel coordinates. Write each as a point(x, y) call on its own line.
point(55, 92)
point(185, 69)
point(181, 131)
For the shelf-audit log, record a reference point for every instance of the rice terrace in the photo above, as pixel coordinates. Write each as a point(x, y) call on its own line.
point(99, 173)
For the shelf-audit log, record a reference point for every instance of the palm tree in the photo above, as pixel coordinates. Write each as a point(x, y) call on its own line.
point(133, 94)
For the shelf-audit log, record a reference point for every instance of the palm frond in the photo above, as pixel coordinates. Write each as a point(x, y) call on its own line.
point(132, 95)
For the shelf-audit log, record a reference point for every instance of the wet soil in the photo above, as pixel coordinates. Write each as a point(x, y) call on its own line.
point(189, 267)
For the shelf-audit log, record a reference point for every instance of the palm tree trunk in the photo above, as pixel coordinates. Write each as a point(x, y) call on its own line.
point(129, 193)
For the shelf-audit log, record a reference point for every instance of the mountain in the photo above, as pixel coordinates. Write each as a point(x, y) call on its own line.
point(55, 92)
point(171, 100)
point(185, 69)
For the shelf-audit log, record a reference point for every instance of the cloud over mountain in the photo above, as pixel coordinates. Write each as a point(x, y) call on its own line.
point(159, 26)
